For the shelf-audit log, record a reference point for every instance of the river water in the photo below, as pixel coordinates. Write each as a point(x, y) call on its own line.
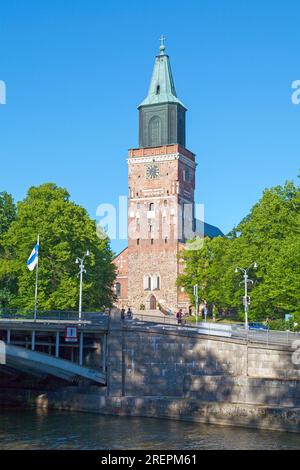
point(42, 429)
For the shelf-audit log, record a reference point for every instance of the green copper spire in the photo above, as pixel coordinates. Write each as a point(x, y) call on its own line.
point(161, 114)
point(162, 88)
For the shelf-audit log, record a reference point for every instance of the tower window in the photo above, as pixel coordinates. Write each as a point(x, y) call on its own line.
point(147, 282)
point(155, 284)
point(187, 175)
point(152, 241)
point(158, 90)
point(138, 241)
point(155, 131)
point(166, 240)
point(151, 206)
point(118, 289)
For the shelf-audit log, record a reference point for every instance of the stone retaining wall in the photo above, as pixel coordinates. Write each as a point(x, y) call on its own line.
point(156, 362)
point(228, 414)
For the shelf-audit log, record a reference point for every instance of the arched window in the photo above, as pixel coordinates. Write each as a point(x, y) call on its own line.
point(155, 131)
point(151, 206)
point(147, 282)
point(156, 282)
point(118, 289)
point(181, 131)
point(187, 174)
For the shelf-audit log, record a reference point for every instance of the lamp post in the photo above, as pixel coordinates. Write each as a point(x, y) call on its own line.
point(80, 261)
point(245, 282)
point(196, 294)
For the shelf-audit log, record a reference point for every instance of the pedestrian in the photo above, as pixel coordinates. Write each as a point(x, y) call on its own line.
point(123, 314)
point(179, 315)
point(129, 314)
point(205, 311)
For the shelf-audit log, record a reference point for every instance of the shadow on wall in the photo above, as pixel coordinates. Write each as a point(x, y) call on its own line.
point(199, 375)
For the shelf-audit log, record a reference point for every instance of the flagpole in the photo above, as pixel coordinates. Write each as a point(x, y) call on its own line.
point(36, 284)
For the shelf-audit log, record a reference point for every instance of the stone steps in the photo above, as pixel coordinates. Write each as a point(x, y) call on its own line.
point(153, 315)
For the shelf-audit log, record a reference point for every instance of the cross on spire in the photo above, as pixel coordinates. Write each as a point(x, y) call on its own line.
point(162, 43)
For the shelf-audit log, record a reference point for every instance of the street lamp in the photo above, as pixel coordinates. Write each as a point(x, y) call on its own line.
point(245, 282)
point(196, 295)
point(80, 261)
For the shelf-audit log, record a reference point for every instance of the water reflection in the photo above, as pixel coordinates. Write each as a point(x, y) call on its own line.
point(40, 429)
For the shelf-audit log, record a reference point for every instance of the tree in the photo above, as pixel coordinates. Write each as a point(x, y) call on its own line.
point(269, 235)
point(66, 231)
point(8, 214)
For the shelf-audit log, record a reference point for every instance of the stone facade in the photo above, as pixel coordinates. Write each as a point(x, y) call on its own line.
point(160, 219)
point(121, 284)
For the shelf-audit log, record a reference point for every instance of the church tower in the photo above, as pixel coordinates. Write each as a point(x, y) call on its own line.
point(161, 181)
point(162, 115)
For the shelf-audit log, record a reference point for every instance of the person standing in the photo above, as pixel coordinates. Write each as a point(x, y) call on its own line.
point(179, 315)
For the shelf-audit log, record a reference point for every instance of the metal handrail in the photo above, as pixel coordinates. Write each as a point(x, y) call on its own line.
point(275, 337)
point(57, 315)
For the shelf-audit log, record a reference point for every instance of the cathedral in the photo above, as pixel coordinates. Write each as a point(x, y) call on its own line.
point(161, 204)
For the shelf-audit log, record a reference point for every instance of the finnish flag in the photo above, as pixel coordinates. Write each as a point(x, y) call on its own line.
point(34, 256)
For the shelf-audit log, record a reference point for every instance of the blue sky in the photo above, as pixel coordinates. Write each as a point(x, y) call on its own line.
point(75, 72)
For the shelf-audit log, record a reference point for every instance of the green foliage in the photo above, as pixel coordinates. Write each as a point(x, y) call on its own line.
point(269, 235)
point(8, 212)
point(282, 325)
point(66, 232)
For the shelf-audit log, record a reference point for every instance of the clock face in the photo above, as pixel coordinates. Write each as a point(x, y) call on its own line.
point(152, 171)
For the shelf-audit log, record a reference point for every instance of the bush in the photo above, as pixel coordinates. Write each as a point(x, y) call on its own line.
point(279, 324)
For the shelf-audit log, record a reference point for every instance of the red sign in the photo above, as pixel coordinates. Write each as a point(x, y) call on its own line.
point(71, 335)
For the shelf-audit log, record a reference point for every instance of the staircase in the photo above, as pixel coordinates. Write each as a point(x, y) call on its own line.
point(154, 316)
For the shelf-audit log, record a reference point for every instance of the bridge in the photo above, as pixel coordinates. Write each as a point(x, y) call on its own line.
point(36, 363)
point(42, 348)
point(149, 366)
